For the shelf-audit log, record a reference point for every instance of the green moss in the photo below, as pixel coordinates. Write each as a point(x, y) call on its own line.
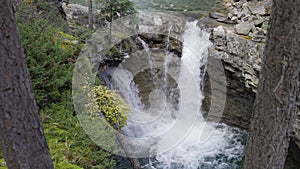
point(268, 11)
point(66, 35)
point(246, 37)
point(114, 53)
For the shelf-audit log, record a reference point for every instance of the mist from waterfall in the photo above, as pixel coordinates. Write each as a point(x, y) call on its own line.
point(205, 145)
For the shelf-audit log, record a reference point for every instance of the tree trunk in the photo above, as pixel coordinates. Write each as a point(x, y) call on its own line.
point(275, 106)
point(22, 139)
point(135, 164)
point(58, 5)
point(91, 17)
point(16, 5)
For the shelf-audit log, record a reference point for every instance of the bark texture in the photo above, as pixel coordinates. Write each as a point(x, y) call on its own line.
point(21, 134)
point(135, 164)
point(90, 7)
point(275, 105)
point(58, 5)
point(16, 4)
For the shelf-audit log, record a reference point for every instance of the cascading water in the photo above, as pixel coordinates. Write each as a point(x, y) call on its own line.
point(207, 145)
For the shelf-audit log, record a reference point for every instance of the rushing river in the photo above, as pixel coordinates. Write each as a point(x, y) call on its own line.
point(188, 7)
point(201, 145)
point(205, 145)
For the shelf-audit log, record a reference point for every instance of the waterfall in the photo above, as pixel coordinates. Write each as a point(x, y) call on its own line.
point(149, 59)
point(204, 144)
point(167, 60)
point(168, 38)
point(166, 63)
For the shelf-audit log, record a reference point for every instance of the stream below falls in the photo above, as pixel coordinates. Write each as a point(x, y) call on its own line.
point(165, 100)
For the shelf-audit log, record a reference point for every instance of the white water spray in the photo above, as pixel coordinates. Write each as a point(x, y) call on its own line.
point(206, 145)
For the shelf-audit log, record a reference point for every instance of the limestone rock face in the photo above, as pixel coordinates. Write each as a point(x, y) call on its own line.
point(241, 61)
point(154, 28)
point(240, 47)
point(251, 17)
point(243, 28)
point(147, 22)
point(162, 23)
point(239, 52)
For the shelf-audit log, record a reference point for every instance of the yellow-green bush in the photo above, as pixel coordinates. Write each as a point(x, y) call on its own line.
point(111, 106)
point(2, 162)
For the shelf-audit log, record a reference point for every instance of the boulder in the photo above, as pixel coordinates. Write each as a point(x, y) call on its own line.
point(261, 8)
point(157, 29)
point(221, 18)
point(257, 9)
point(243, 28)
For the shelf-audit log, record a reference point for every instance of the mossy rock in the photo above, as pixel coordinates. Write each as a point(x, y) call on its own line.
point(246, 37)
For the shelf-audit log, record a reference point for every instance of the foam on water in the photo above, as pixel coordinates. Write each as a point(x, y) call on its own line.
point(206, 145)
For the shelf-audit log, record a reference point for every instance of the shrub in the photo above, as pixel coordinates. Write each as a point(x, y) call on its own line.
point(113, 9)
point(51, 54)
point(110, 105)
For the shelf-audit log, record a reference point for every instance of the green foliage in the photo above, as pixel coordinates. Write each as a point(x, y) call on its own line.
point(68, 142)
point(113, 9)
point(81, 32)
point(111, 106)
point(2, 161)
point(49, 59)
point(51, 54)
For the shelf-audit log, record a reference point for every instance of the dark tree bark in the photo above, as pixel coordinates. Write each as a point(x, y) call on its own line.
point(21, 134)
point(16, 4)
point(91, 16)
point(275, 105)
point(58, 5)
